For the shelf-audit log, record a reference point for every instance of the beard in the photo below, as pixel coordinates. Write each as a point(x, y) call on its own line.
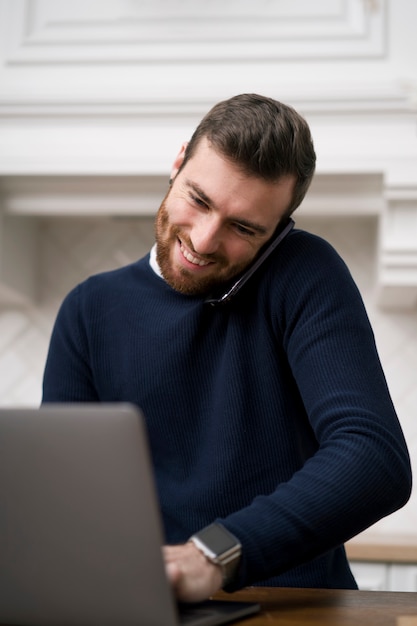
point(179, 278)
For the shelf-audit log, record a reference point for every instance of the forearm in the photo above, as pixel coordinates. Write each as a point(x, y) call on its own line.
point(335, 495)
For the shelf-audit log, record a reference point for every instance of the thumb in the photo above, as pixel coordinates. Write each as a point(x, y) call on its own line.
point(173, 573)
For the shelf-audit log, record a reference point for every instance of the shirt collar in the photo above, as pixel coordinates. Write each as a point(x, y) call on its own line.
point(154, 263)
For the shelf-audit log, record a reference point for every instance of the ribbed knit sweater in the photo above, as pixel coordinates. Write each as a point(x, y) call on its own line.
point(269, 414)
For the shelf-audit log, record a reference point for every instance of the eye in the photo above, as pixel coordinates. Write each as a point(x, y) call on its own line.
point(198, 201)
point(244, 230)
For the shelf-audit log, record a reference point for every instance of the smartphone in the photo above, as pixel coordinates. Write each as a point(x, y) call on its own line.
point(243, 278)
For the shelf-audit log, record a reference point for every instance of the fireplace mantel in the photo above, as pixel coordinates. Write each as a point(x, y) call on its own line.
point(96, 164)
point(95, 102)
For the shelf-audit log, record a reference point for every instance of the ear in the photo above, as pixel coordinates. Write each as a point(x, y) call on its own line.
point(178, 160)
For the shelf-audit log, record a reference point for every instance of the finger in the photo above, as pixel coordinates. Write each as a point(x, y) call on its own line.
point(173, 573)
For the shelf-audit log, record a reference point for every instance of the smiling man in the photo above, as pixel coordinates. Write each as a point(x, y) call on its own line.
point(273, 436)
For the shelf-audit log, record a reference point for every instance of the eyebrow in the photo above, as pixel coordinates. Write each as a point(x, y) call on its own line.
point(258, 228)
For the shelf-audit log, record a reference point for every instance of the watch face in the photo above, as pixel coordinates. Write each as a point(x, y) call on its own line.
point(217, 538)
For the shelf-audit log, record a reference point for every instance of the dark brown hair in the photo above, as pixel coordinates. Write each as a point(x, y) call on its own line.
point(263, 137)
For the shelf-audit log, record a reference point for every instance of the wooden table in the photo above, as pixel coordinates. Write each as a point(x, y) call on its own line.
point(325, 607)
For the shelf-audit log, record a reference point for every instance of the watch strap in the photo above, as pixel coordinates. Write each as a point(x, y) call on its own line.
point(228, 558)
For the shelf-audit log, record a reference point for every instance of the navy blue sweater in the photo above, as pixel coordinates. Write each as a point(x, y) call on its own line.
point(270, 414)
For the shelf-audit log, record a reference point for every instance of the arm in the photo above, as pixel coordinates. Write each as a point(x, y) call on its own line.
point(67, 376)
point(360, 471)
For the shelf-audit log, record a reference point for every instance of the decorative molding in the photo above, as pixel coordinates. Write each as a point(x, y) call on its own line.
point(112, 31)
point(353, 97)
point(26, 198)
point(142, 59)
point(133, 195)
point(394, 204)
point(397, 256)
point(85, 196)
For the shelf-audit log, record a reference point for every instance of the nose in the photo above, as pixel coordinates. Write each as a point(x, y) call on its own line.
point(206, 236)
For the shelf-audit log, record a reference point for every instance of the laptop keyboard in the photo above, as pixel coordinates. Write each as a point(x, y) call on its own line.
point(195, 615)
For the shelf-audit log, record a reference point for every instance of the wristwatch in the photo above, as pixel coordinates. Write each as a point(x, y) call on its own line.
point(219, 546)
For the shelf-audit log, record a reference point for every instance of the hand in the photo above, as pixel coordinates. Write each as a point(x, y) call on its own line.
point(192, 577)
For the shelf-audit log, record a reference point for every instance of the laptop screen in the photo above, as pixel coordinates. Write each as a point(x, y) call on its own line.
point(80, 529)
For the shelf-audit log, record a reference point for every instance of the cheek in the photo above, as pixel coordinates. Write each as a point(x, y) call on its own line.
point(179, 212)
point(239, 252)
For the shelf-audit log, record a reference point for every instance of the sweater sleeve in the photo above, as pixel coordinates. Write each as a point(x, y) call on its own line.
point(67, 375)
point(360, 471)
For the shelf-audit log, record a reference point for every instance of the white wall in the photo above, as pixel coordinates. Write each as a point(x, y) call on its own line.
point(96, 97)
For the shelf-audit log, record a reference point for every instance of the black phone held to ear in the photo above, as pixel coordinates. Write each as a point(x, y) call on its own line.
point(243, 278)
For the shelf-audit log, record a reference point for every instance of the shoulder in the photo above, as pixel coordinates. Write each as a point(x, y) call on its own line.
point(307, 273)
point(305, 258)
point(108, 287)
point(122, 276)
point(305, 246)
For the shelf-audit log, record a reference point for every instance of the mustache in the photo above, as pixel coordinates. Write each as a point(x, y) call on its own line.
point(216, 258)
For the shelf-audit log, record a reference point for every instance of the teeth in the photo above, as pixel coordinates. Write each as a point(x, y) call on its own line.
point(191, 258)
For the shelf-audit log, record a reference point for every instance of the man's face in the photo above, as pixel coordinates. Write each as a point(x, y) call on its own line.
point(214, 219)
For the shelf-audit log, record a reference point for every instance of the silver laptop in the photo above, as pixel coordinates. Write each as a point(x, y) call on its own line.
point(80, 529)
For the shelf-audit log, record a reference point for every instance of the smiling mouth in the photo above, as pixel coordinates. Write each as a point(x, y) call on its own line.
point(191, 258)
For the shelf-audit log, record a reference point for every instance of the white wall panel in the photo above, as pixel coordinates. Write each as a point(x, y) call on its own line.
point(403, 578)
point(96, 97)
point(60, 57)
point(58, 31)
